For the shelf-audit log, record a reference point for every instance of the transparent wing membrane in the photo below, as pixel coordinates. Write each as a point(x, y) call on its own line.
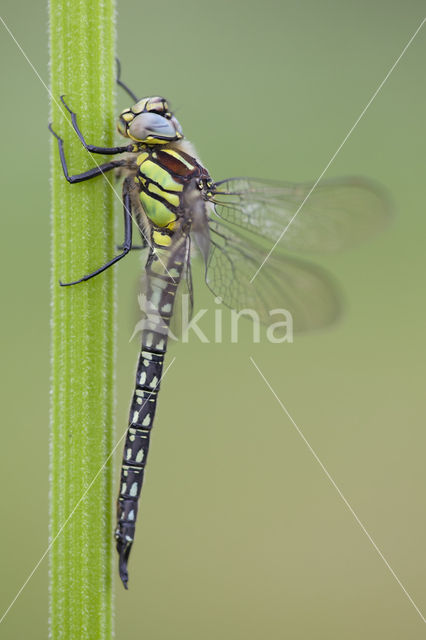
point(300, 288)
point(338, 213)
point(249, 217)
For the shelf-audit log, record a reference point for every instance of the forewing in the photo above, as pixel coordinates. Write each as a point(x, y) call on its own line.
point(329, 216)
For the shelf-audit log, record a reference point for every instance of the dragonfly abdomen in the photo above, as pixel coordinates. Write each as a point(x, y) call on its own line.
point(159, 299)
point(135, 455)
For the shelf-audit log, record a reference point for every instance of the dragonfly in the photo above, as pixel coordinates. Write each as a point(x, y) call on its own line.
point(234, 224)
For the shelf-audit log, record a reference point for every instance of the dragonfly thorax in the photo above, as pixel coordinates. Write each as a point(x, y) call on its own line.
point(168, 181)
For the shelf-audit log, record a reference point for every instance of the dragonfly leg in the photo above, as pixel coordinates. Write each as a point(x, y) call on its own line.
point(90, 147)
point(86, 175)
point(127, 244)
point(135, 247)
point(121, 83)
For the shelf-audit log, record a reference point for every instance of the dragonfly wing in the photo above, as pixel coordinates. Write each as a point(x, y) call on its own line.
point(332, 215)
point(288, 283)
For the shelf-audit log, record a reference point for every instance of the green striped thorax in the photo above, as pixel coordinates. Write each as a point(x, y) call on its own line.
point(165, 174)
point(150, 121)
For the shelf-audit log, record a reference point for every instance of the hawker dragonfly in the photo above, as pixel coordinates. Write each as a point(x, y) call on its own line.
point(234, 223)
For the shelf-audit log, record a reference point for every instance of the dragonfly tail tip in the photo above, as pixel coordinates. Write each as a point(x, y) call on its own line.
point(123, 548)
point(124, 575)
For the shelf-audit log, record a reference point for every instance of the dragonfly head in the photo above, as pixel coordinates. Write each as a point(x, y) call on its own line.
point(149, 121)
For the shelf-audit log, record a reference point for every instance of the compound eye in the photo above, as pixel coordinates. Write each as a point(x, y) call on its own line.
point(150, 125)
point(176, 125)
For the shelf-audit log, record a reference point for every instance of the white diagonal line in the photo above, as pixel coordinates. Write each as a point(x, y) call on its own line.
point(330, 478)
point(67, 119)
point(341, 145)
point(86, 491)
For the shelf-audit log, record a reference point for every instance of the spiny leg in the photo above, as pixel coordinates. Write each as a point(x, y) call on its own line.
point(90, 147)
point(86, 175)
point(127, 244)
point(121, 83)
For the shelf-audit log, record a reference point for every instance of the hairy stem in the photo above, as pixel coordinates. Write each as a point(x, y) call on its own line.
point(82, 43)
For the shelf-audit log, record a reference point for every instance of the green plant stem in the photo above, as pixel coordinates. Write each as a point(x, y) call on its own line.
point(82, 46)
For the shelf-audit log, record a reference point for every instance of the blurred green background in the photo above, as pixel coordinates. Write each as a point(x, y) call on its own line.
point(241, 535)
